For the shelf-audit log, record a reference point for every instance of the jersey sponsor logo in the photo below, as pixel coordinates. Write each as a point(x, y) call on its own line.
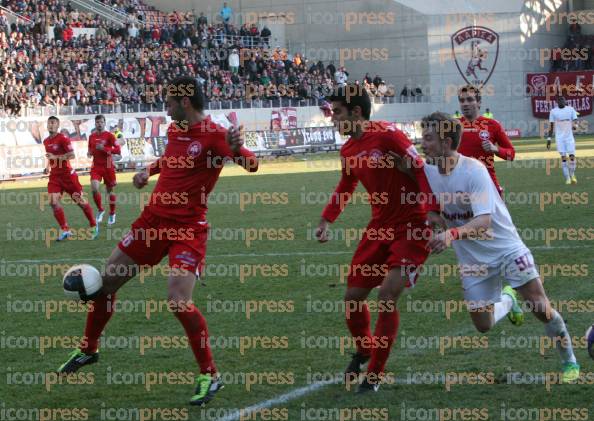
point(195, 148)
point(484, 135)
point(458, 216)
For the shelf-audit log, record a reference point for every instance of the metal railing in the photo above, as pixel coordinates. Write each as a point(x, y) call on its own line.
point(15, 16)
point(212, 105)
point(107, 12)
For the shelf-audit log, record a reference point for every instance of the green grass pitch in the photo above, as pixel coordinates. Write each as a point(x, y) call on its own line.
point(292, 338)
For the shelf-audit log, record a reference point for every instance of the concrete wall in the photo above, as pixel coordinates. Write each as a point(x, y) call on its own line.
point(418, 43)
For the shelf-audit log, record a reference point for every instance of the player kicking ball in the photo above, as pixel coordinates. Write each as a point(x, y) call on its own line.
point(387, 256)
point(561, 120)
point(103, 148)
point(485, 240)
point(63, 178)
point(190, 166)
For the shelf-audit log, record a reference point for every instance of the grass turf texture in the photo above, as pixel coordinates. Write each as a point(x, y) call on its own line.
point(289, 364)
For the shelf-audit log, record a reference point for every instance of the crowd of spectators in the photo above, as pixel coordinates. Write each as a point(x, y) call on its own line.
point(576, 54)
point(43, 63)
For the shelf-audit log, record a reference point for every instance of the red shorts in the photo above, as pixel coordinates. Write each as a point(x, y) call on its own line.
point(385, 248)
point(64, 183)
point(108, 175)
point(152, 237)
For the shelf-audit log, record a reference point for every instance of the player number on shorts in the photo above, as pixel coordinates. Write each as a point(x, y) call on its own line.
point(523, 262)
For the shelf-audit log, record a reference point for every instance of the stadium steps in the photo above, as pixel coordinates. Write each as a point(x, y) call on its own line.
point(107, 12)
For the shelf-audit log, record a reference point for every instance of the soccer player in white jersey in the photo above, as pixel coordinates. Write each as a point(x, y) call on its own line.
point(486, 242)
point(561, 120)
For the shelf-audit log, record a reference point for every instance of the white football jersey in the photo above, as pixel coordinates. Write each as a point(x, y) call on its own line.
point(466, 193)
point(563, 119)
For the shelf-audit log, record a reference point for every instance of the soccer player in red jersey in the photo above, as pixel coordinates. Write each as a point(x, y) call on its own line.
point(172, 224)
point(393, 246)
point(63, 178)
point(103, 147)
point(483, 138)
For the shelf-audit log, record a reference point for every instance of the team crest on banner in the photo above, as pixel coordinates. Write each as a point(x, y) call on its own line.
point(475, 50)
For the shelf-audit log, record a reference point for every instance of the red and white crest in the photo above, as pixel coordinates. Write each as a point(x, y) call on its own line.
point(194, 148)
point(475, 50)
point(485, 135)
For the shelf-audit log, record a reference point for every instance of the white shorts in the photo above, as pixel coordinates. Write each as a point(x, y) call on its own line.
point(565, 146)
point(484, 288)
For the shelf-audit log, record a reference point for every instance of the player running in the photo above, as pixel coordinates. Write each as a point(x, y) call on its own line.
point(486, 241)
point(483, 138)
point(561, 120)
point(63, 178)
point(173, 224)
point(103, 148)
point(388, 255)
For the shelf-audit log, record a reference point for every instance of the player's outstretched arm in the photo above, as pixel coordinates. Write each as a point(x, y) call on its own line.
point(242, 156)
point(141, 178)
point(322, 230)
point(341, 196)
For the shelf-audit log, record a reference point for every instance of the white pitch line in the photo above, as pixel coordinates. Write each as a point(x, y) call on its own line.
point(280, 399)
point(305, 253)
point(305, 390)
point(297, 393)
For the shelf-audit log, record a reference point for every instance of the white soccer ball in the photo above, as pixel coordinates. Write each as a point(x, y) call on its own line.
point(590, 341)
point(81, 281)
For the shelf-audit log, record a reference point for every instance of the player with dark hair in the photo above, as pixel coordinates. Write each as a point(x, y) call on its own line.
point(482, 138)
point(486, 242)
point(63, 178)
point(172, 224)
point(393, 246)
point(103, 147)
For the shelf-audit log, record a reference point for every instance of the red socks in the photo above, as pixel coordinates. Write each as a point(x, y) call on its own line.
point(197, 331)
point(358, 320)
point(385, 333)
point(192, 320)
point(96, 321)
point(60, 217)
point(88, 211)
point(112, 203)
point(97, 199)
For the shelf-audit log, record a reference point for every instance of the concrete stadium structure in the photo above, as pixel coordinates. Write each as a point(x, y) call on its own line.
point(410, 42)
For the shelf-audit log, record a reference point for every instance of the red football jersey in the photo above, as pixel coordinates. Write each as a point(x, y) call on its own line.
point(190, 168)
point(102, 158)
point(473, 136)
point(58, 145)
point(393, 195)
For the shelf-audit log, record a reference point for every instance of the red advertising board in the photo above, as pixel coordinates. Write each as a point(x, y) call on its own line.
point(576, 87)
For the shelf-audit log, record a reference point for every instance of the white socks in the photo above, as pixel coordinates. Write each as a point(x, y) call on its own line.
point(557, 331)
point(565, 169)
point(502, 307)
point(572, 165)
